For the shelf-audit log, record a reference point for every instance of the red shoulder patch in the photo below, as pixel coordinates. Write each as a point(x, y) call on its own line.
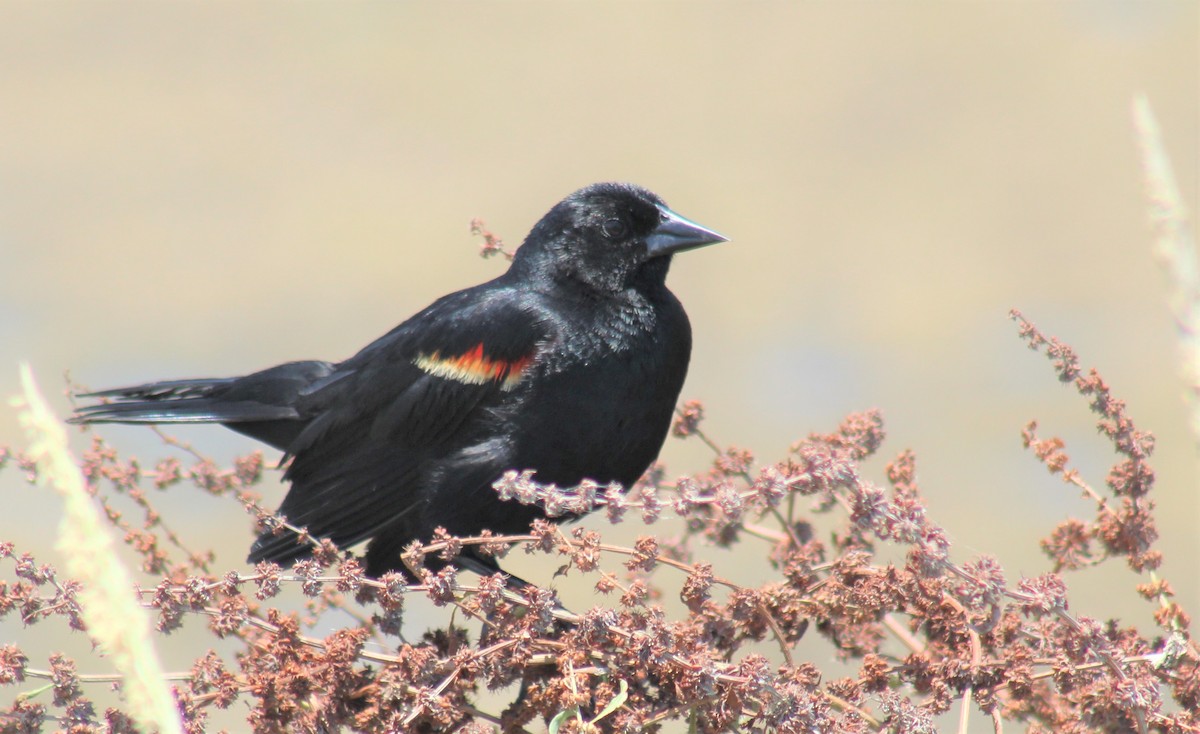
point(475, 368)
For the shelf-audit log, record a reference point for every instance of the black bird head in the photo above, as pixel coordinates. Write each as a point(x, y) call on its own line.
point(609, 237)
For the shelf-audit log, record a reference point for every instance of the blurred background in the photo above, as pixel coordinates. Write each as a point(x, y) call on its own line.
point(194, 190)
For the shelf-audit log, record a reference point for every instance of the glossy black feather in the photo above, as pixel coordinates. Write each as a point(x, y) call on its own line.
point(569, 364)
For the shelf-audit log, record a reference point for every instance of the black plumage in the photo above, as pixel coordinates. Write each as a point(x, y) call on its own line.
point(569, 363)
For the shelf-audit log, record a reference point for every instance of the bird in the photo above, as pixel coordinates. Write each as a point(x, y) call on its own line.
point(568, 364)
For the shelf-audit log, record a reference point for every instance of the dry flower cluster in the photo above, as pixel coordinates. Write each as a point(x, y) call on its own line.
point(920, 638)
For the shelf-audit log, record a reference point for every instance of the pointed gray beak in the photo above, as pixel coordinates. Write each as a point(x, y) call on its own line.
point(676, 234)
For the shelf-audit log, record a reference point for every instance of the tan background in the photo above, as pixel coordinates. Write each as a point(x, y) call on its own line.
point(194, 190)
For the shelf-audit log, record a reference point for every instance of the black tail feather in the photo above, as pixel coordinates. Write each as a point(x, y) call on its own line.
point(181, 410)
point(269, 395)
point(164, 389)
point(178, 401)
point(261, 405)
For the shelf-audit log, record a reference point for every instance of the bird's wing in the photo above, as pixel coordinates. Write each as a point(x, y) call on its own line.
point(408, 398)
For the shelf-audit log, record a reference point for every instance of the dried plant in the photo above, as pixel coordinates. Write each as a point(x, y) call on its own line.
point(925, 636)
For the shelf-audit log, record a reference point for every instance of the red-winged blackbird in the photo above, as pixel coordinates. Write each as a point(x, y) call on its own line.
point(569, 364)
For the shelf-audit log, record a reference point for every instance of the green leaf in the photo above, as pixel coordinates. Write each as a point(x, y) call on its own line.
point(616, 702)
point(558, 720)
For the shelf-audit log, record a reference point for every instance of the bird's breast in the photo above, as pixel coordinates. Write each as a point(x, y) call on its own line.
point(599, 411)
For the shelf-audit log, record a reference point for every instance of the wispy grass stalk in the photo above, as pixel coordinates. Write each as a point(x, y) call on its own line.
point(110, 608)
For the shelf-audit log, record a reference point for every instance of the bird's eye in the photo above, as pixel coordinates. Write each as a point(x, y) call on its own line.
point(614, 228)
